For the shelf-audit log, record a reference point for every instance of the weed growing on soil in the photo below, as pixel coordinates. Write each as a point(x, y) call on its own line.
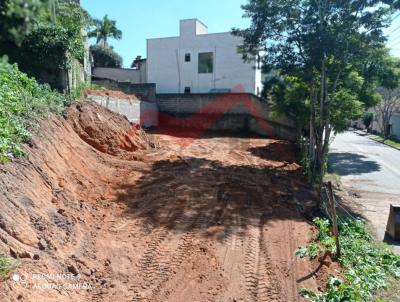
point(367, 267)
point(6, 267)
point(22, 100)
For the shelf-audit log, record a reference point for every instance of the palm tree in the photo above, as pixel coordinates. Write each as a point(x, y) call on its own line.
point(105, 28)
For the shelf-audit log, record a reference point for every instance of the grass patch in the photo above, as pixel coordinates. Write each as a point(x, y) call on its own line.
point(371, 271)
point(97, 87)
point(6, 267)
point(22, 101)
point(390, 142)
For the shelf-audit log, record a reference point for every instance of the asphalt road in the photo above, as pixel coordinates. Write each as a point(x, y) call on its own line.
point(372, 171)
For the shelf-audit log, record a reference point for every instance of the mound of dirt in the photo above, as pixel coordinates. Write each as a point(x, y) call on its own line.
point(108, 132)
point(111, 93)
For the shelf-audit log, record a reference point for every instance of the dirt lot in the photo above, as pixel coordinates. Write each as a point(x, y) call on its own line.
point(152, 217)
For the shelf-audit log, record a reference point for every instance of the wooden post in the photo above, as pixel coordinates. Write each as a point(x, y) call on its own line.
point(334, 219)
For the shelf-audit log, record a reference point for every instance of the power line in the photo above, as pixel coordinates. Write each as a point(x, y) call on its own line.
point(398, 27)
point(394, 44)
point(395, 17)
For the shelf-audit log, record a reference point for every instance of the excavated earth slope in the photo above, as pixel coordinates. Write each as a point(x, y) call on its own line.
point(101, 211)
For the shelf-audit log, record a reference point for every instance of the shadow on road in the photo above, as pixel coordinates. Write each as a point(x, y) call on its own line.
point(348, 163)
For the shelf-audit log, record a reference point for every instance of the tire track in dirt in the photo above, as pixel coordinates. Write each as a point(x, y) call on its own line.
point(165, 255)
point(261, 281)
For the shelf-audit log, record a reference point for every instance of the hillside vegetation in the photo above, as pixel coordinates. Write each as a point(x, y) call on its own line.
point(22, 100)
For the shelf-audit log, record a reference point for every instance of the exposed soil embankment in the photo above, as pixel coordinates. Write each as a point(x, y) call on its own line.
point(193, 219)
point(107, 132)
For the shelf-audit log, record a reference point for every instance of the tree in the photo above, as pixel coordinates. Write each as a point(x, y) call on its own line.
point(53, 42)
point(17, 20)
point(137, 62)
point(287, 96)
point(384, 111)
point(389, 91)
point(104, 29)
point(105, 56)
point(367, 118)
point(322, 42)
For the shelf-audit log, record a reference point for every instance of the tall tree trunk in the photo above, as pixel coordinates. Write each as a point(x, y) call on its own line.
point(321, 127)
point(311, 147)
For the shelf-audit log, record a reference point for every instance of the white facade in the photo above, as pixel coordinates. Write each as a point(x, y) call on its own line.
point(173, 63)
point(394, 122)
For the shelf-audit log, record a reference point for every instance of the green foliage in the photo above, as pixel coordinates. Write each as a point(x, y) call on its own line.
point(72, 15)
point(289, 96)
point(367, 118)
point(345, 107)
point(22, 100)
point(105, 28)
point(104, 56)
point(49, 47)
point(313, 250)
point(335, 48)
point(17, 20)
point(6, 267)
point(368, 267)
point(51, 44)
point(390, 142)
point(97, 87)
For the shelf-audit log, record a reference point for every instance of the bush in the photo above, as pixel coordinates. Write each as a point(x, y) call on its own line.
point(6, 267)
point(104, 56)
point(368, 268)
point(22, 100)
point(367, 118)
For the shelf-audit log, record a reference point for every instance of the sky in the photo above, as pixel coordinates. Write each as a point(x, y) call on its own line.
point(144, 19)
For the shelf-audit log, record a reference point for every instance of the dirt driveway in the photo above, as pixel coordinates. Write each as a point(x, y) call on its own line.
point(212, 224)
point(194, 219)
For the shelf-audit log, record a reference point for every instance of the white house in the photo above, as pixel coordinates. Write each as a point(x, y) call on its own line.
point(394, 125)
point(200, 62)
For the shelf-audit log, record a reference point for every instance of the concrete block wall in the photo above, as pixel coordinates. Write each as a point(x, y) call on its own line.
point(226, 112)
point(138, 112)
point(135, 76)
point(145, 91)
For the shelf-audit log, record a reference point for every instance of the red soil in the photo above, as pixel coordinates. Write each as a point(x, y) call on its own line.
point(211, 221)
point(108, 133)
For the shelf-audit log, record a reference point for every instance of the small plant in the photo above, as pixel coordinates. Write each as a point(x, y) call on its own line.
point(368, 268)
point(313, 251)
point(97, 87)
point(6, 267)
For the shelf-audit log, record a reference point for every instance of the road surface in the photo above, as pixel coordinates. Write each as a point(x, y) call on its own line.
point(371, 171)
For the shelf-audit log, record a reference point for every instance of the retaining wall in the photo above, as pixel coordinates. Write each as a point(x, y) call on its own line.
point(144, 91)
point(140, 112)
point(236, 112)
